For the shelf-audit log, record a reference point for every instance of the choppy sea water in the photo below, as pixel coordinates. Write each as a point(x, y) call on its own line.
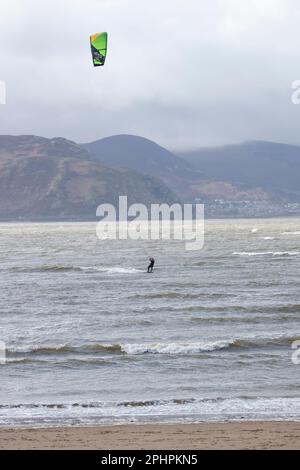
point(92, 338)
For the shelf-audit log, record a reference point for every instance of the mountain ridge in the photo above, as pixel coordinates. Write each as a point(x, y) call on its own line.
point(270, 165)
point(57, 178)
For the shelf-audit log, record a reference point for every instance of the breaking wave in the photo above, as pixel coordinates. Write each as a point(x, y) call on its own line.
point(296, 232)
point(149, 411)
point(266, 253)
point(172, 348)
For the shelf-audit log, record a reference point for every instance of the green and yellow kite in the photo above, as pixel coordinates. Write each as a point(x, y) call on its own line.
point(99, 48)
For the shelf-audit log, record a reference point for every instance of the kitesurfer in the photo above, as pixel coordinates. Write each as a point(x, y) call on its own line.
point(151, 265)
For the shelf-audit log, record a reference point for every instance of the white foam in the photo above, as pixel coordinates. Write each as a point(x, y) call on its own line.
point(114, 270)
point(174, 348)
point(266, 253)
point(297, 232)
point(123, 270)
point(160, 411)
point(286, 253)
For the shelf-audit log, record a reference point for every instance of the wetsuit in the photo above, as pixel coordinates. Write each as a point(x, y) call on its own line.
point(151, 265)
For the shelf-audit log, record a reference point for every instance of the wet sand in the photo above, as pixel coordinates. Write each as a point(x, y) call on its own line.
point(238, 435)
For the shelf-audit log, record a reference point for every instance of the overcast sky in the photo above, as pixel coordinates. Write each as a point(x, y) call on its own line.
point(185, 73)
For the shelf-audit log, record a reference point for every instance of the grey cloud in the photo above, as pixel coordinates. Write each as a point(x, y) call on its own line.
point(185, 73)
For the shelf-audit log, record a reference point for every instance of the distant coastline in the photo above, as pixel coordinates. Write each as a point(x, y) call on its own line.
point(95, 220)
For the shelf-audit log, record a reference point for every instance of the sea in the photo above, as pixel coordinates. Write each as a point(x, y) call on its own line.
point(91, 338)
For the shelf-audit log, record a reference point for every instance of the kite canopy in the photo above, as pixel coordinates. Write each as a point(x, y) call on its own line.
point(99, 48)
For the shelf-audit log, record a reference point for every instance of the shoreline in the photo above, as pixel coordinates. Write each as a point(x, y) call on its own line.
point(74, 220)
point(230, 435)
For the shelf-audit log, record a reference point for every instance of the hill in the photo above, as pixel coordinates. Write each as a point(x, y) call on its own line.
point(139, 154)
point(272, 167)
point(146, 156)
point(56, 178)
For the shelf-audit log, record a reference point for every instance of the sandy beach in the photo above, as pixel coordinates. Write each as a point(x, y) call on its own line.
point(246, 435)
